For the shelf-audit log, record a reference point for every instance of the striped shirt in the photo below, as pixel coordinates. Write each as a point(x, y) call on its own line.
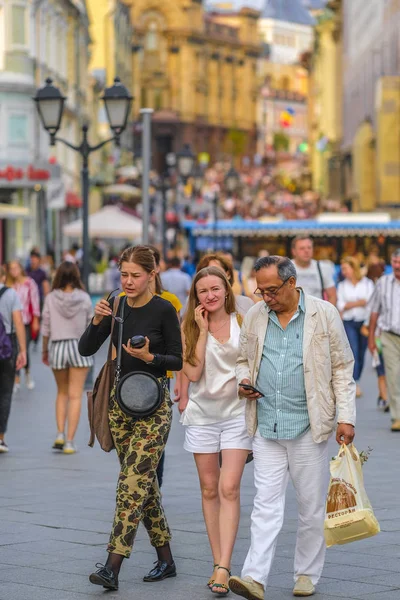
point(282, 412)
point(386, 302)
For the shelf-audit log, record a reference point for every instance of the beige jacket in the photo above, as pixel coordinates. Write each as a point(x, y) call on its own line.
point(327, 360)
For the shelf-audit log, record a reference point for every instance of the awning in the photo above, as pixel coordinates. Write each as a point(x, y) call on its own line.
point(9, 211)
point(109, 222)
point(122, 190)
point(241, 228)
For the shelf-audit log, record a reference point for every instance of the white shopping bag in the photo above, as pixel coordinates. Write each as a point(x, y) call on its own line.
point(349, 515)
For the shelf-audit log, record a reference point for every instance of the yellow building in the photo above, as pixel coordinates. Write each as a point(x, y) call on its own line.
point(198, 71)
point(325, 105)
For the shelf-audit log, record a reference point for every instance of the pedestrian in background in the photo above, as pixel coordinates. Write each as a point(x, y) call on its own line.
point(28, 294)
point(139, 442)
point(385, 313)
point(314, 277)
point(12, 350)
point(158, 288)
point(214, 416)
point(375, 271)
point(294, 350)
point(176, 281)
point(353, 294)
point(35, 272)
point(66, 314)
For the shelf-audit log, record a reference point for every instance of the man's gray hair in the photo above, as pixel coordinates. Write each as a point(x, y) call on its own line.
point(284, 265)
point(396, 253)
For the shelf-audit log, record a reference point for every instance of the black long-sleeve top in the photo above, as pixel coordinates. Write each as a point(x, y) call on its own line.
point(157, 320)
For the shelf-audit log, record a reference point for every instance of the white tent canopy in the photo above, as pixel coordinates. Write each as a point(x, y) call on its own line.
point(109, 222)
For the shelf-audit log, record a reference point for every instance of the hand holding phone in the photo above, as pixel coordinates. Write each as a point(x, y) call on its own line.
point(138, 341)
point(250, 391)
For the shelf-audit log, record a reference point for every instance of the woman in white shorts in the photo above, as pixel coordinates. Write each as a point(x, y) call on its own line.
point(214, 416)
point(66, 314)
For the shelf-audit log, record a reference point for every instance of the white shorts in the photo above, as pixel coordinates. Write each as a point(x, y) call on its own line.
point(65, 354)
point(226, 435)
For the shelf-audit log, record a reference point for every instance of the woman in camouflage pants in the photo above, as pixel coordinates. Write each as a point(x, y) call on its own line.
point(139, 442)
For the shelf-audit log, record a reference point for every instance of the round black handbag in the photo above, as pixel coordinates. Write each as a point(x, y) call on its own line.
point(139, 394)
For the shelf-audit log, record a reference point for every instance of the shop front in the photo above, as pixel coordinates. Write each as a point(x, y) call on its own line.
point(23, 220)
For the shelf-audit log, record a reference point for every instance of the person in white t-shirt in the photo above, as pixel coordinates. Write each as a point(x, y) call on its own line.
point(314, 277)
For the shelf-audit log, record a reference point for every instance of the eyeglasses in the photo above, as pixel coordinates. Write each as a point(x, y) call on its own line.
point(271, 293)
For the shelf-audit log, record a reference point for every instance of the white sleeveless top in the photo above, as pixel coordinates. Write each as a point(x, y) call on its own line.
point(214, 398)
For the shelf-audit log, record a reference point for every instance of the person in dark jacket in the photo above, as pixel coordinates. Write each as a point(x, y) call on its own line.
point(139, 442)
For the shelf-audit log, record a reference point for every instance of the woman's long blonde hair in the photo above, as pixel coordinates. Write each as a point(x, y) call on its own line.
point(190, 328)
point(354, 263)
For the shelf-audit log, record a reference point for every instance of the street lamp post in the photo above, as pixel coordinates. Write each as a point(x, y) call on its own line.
point(231, 183)
point(185, 160)
point(50, 105)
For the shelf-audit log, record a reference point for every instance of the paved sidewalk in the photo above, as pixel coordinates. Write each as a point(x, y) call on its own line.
point(56, 512)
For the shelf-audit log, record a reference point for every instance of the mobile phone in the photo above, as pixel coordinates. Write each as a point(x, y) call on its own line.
point(246, 386)
point(138, 341)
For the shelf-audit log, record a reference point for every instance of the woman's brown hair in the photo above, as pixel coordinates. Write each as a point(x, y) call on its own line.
point(157, 259)
point(10, 280)
point(190, 328)
point(354, 264)
point(67, 274)
point(225, 264)
point(140, 255)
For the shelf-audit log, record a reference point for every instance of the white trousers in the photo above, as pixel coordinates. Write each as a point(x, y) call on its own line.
point(307, 464)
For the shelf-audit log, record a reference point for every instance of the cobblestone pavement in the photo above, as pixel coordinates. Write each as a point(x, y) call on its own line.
point(56, 513)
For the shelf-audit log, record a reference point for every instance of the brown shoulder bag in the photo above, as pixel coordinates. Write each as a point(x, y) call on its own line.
point(98, 399)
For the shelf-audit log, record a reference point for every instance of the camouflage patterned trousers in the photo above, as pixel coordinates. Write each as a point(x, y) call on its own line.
point(139, 445)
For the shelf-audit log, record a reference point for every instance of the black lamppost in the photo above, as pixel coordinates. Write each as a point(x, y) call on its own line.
point(50, 106)
point(231, 183)
point(232, 180)
point(197, 179)
point(185, 160)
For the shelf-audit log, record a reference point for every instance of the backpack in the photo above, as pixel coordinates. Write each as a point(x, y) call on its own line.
point(5, 341)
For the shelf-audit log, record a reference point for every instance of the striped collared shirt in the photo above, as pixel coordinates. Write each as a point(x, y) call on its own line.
point(282, 412)
point(386, 302)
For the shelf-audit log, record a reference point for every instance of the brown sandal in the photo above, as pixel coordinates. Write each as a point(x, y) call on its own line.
point(211, 580)
point(221, 586)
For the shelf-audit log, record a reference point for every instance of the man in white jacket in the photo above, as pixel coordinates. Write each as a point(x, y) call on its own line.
point(295, 352)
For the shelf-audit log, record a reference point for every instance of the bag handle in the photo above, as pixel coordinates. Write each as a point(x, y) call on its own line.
point(119, 347)
point(115, 310)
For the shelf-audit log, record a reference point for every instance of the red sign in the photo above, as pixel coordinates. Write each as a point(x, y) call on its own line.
point(29, 173)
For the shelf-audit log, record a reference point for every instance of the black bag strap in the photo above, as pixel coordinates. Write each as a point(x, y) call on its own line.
point(115, 310)
point(3, 290)
point(119, 347)
point(321, 279)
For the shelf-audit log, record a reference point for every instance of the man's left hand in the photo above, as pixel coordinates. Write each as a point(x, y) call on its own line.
point(345, 433)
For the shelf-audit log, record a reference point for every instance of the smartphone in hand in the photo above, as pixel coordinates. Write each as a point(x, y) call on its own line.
point(250, 388)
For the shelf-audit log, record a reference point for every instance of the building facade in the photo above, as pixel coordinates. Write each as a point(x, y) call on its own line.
point(286, 29)
point(198, 71)
point(38, 40)
point(371, 108)
point(326, 101)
